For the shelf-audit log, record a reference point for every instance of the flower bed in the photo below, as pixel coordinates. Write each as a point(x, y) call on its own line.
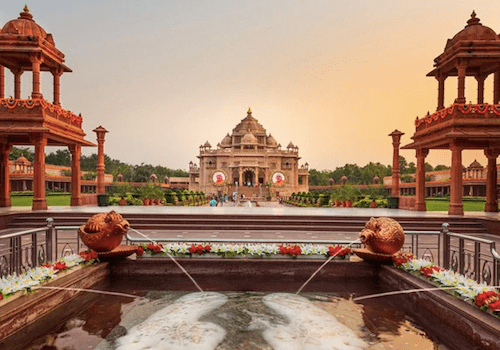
point(485, 297)
point(25, 282)
point(253, 250)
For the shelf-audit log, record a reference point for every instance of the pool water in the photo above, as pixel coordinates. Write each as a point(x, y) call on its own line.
point(236, 320)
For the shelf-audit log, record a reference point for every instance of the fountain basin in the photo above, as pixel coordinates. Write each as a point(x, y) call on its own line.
point(473, 329)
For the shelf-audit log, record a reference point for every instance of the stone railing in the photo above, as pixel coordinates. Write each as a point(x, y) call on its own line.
point(458, 111)
point(51, 110)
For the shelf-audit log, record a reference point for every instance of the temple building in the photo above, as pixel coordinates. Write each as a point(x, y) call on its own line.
point(249, 162)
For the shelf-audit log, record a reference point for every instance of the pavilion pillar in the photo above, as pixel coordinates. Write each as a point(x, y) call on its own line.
point(240, 170)
point(456, 204)
point(420, 180)
point(76, 195)
point(2, 81)
point(101, 132)
point(480, 88)
point(256, 177)
point(491, 180)
point(39, 200)
point(440, 80)
point(17, 82)
point(36, 60)
point(5, 149)
point(461, 83)
point(396, 141)
point(496, 87)
point(56, 73)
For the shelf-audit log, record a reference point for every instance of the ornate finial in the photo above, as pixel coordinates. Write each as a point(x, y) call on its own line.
point(26, 8)
point(249, 111)
point(473, 19)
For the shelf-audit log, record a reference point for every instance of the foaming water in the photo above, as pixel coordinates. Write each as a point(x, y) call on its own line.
point(323, 265)
point(171, 257)
point(177, 326)
point(308, 327)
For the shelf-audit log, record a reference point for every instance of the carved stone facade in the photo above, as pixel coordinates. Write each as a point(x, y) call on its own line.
point(250, 162)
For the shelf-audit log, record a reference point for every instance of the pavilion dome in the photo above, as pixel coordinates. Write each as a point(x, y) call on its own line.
point(249, 138)
point(474, 30)
point(226, 141)
point(25, 25)
point(22, 160)
point(207, 144)
point(271, 141)
point(475, 165)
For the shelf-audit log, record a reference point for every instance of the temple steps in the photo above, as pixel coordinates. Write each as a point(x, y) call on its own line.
point(228, 222)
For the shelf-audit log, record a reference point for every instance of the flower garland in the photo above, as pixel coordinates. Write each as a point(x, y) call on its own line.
point(465, 109)
point(12, 103)
point(480, 294)
point(24, 282)
point(224, 250)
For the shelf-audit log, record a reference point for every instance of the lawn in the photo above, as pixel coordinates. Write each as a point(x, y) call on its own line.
point(444, 205)
point(52, 201)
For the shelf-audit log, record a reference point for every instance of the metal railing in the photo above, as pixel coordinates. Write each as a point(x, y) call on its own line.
point(474, 257)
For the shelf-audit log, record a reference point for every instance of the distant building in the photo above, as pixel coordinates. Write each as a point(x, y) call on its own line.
point(249, 161)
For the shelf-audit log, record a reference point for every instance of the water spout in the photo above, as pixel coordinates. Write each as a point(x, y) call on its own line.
point(326, 262)
point(171, 257)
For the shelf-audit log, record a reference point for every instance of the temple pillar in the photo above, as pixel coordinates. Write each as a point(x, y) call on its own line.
point(461, 83)
point(56, 73)
point(456, 204)
point(36, 60)
point(496, 87)
point(5, 149)
point(396, 141)
point(256, 176)
point(491, 180)
point(480, 88)
point(17, 82)
point(240, 182)
point(420, 180)
point(2, 81)
point(440, 80)
point(101, 132)
point(39, 200)
point(76, 152)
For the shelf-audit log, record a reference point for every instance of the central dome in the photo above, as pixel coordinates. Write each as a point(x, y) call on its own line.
point(249, 139)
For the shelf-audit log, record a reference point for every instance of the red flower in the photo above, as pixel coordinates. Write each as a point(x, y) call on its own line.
point(192, 249)
point(157, 248)
point(487, 298)
point(282, 250)
point(207, 248)
point(59, 266)
point(150, 246)
point(495, 306)
point(140, 251)
point(427, 271)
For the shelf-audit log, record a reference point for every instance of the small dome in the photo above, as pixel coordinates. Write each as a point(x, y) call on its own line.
point(166, 179)
point(343, 179)
point(207, 144)
point(271, 141)
point(475, 165)
point(474, 30)
point(290, 145)
point(226, 141)
point(22, 160)
point(376, 179)
point(119, 177)
point(25, 25)
point(249, 138)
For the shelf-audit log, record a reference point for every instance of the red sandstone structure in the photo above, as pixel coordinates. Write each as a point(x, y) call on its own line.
point(473, 52)
point(25, 46)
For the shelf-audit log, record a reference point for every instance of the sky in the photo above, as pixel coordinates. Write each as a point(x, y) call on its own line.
point(333, 77)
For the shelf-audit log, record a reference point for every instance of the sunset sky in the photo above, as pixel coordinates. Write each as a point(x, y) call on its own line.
point(334, 77)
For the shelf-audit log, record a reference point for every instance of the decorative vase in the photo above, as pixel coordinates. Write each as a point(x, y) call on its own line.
point(373, 204)
point(122, 202)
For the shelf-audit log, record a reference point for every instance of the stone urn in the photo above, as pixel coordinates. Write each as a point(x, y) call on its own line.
point(373, 204)
point(382, 237)
point(104, 232)
point(122, 202)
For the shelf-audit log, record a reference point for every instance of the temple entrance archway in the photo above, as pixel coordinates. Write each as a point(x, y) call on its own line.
point(248, 178)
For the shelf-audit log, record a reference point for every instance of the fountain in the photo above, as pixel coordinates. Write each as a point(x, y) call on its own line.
point(251, 320)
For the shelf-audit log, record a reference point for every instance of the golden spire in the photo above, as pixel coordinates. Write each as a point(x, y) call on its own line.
point(26, 8)
point(473, 14)
point(249, 111)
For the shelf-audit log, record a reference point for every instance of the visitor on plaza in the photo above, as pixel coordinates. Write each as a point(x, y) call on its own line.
point(213, 202)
